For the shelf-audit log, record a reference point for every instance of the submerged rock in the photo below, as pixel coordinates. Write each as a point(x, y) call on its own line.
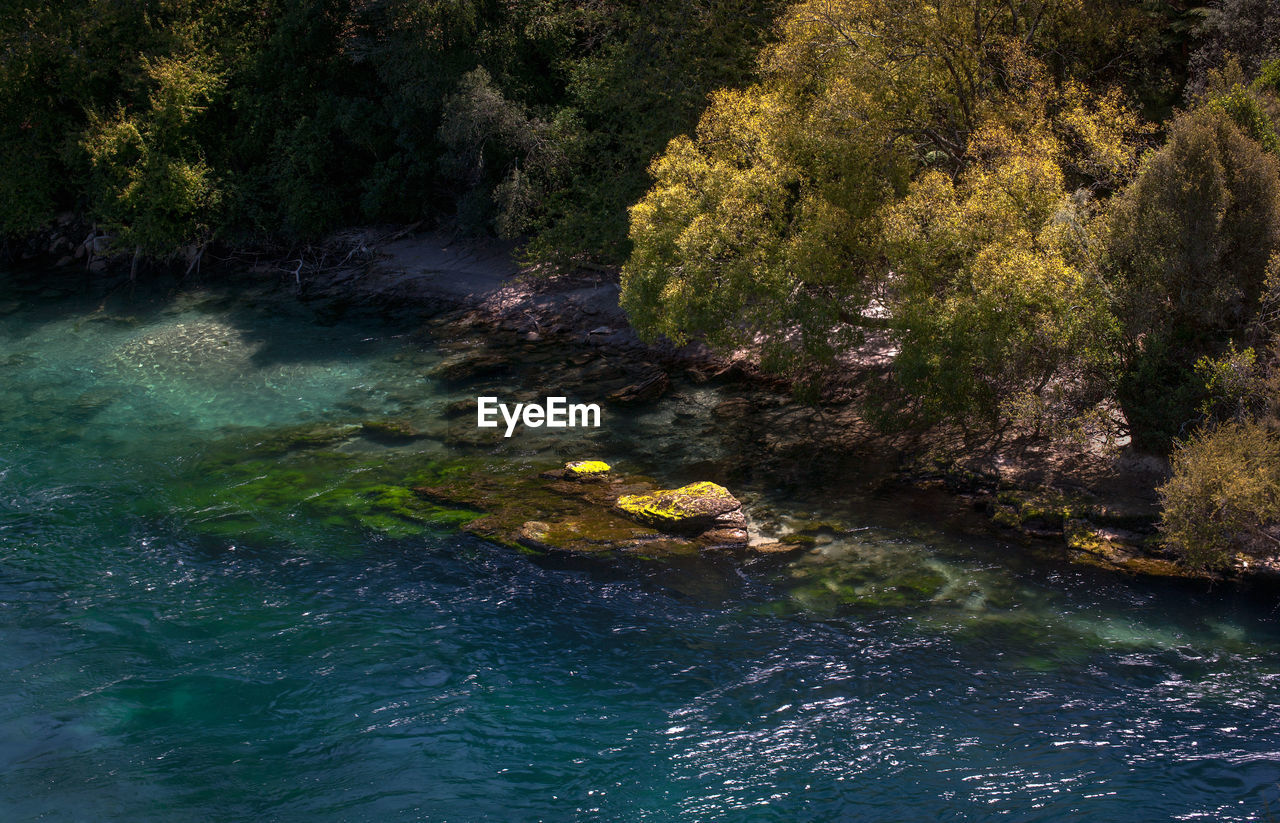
point(549, 512)
point(389, 431)
point(302, 437)
point(188, 349)
point(470, 365)
point(269, 486)
point(554, 511)
point(695, 509)
point(590, 533)
point(647, 389)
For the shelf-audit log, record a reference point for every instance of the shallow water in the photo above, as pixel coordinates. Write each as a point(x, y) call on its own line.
point(153, 668)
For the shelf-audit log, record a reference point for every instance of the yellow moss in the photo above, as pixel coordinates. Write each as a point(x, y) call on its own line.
point(671, 505)
point(1081, 537)
point(586, 468)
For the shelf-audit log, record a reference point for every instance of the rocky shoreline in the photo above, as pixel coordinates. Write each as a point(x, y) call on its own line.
point(1098, 505)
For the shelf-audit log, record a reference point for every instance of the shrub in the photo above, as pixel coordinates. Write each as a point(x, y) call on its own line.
point(1223, 499)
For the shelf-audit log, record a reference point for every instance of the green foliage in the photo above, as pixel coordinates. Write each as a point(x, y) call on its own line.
point(331, 112)
point(643, 77)
point(994, 300)
point(1188, 246)
point(1224, 496)
point(1268, 77)
point(503, 155)
point(738, 237)
point(63, 61)
point(1230, 382)
point(1247, 112)
point(150, 183)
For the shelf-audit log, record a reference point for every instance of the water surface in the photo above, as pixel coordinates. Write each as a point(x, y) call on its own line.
point(154, 668)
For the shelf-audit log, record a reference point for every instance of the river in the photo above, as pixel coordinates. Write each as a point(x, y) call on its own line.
point(186, 635)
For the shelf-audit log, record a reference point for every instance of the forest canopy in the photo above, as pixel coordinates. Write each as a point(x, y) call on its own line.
point(241, 121)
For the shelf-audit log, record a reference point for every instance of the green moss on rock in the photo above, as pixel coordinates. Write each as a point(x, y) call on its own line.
point(1095, 546)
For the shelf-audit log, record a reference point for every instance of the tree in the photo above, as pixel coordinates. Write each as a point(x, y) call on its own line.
point(152, 186)
point(998, 309)
point(61, 62)
point(782, 223)
point(1247, 31)
point(1188, 248)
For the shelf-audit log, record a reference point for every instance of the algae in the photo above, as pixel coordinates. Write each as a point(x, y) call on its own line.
point(256, 487)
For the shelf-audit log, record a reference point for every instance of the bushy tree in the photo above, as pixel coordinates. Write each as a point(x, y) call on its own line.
point(151, 185)
point(999, 311)
point(503, 156)
point(1189, 245)
point(740, 238)
point(781, 225)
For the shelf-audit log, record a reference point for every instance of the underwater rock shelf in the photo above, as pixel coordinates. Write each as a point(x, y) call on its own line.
point(584, 508)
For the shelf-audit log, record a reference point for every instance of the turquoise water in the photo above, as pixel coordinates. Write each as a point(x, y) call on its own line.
point(153, 669)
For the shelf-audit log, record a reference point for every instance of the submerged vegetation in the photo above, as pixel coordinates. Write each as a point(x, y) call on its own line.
point(1052, 216)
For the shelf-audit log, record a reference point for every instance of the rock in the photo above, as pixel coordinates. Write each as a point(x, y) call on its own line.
point(460, 408)
point(586, 470)
point(92, 402)
point(1111, 549)
point(776, 547)
point(389, 431)
point(693, 509)
point(649, 388)
point(734, 409)
point(526, 512)
point(594, 532)
point(469, 366)
point(723, 538)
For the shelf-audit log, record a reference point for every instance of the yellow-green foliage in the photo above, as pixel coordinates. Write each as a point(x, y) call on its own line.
point(1231, 382)
point(738, 227)
point(992, 269)
point(783, 220)
point(1223, 496)
point(152, 186)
